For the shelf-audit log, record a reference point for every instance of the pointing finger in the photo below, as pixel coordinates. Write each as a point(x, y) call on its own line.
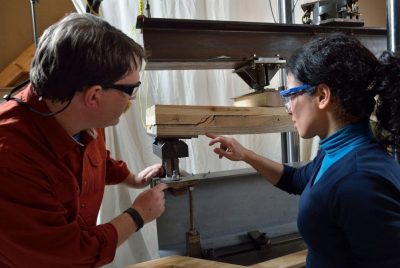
point(211, 135)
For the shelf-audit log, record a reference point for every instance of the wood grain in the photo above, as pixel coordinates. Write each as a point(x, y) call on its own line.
point(259, 99)
point(4, 90)
point(16, 69)
point(294, 260)
point(193, 120)
point(183, 262)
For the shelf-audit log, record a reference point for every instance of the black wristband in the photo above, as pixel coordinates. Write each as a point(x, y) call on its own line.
point(135, 217)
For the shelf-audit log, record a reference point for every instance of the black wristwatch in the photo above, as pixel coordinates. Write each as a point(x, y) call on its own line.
point(135, 217)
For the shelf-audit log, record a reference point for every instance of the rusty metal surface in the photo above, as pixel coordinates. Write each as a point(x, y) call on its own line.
point(204, 44)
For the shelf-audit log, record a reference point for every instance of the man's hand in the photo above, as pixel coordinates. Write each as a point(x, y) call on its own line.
point(144, 177)
point(151, 203)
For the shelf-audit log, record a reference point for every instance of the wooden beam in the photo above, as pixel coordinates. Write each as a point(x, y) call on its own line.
point(185, 121)
point(270, 98)
point(294, 260)
point(3, 91)
point(16, 69)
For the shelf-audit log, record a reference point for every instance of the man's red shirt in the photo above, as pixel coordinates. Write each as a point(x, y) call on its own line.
point(51, 188)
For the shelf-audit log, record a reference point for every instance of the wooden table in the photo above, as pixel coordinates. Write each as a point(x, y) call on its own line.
point(294, 260)
point(183, 262)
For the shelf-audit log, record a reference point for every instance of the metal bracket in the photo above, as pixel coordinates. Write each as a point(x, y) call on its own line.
point(257, 72)
point(170, 150)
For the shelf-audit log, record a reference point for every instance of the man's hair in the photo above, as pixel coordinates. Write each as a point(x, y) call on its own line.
point(78, 51)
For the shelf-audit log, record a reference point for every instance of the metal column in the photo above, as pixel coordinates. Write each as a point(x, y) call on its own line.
point(393, 45)
point(285, 8)
point(33, 12)
point(290, 141)
point(393, 38)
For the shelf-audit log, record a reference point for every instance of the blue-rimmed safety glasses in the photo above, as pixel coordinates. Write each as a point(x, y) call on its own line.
point(290, 94)
point(131, 90)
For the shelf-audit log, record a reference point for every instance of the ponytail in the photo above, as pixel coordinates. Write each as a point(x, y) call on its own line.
point(387, 86)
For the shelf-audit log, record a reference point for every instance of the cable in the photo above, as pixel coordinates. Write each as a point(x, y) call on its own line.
point(272, 12)
point(148, 9)
point(9, 97)
point(294, 7)
point(30, 108)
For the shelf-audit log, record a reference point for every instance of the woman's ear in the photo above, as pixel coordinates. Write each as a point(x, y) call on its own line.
point(91, 96)
point(324, 95)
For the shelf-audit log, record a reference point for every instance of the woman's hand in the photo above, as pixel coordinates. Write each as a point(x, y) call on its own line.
point(228, 147)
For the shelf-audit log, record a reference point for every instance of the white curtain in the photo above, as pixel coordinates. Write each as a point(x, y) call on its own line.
point(129, 141)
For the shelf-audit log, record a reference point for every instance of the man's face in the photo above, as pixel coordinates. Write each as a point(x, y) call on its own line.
point(116, 102)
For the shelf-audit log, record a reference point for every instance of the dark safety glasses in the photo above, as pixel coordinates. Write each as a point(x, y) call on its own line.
point(290, 94)
point(131, 90)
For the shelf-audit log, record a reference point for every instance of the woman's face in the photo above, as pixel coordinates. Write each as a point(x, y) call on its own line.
point(304, 111)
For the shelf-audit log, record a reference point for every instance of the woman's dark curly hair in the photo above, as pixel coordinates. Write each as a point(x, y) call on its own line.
point(354, 76)
point(341, 62)
point(388, 106)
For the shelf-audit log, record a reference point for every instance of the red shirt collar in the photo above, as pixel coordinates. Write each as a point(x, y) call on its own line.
point(57, 138)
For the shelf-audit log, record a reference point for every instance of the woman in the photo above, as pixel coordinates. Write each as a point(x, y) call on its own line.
point(349, 211)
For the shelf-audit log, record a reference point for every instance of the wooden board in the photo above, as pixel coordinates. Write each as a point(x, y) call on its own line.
point(259, 99)
point(4, 90)
point(190, 121)
point(182, 262)
point(19, 67)
point(294, 260)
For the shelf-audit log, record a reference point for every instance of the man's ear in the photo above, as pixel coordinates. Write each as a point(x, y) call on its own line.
point(324, 95)
point(91, 96)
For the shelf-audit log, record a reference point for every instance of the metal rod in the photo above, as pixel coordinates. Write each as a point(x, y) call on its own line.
point(393, 38)
point(285, 8)
point(33, 11)
point(293, 153)
point(191, 212)
point(284, 147)
point(393, 45)
point(290, 140)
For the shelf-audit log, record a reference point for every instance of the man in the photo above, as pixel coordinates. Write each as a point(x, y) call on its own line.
point(53, 161)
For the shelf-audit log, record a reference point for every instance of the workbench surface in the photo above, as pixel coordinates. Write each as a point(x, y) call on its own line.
point(294, 260)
